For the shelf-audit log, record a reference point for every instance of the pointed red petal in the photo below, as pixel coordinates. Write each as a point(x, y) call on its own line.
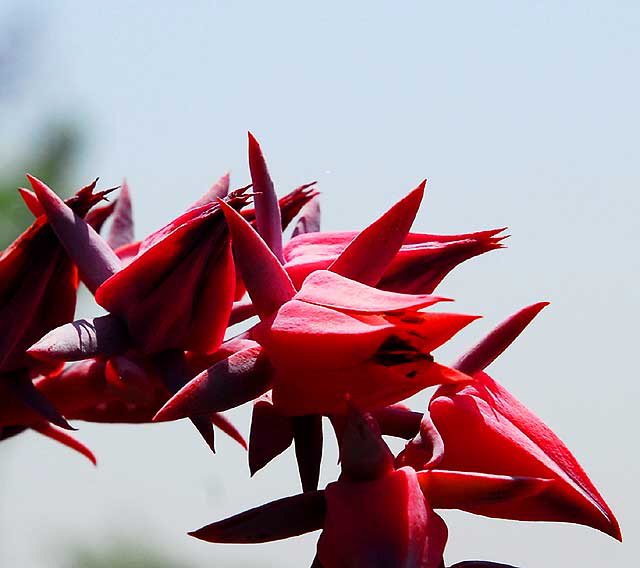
point(31, 201)
point(309, 221)
point(61, 436)
point(34, 399)
point(385, 236)
point(221, 421)
point(93, 256)
point(267, 209)
point(326, 288)
point(284, 518)
point(121, 232)
point(229, 383)
point(82, 339)
point(490, 347)
point(267, 282)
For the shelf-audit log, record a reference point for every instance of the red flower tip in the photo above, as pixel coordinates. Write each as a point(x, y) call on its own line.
point(121, 231)
point(31, 201)
point(54, 433)
point(490, 347)
point(268, 219)
point(385, 236)
point(271, 433)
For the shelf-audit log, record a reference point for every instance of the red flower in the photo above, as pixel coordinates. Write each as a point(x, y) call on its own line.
point(481, 427)
point(334, 336)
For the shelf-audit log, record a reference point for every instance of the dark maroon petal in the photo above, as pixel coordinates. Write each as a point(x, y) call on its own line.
point(385, 236)
point(363, 453)
point(33, 398)
point(398, 421)
point(284, 518)
point(271, 433)
point(307, 436)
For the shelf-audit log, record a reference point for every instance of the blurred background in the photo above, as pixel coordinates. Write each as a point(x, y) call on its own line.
point(519, 113)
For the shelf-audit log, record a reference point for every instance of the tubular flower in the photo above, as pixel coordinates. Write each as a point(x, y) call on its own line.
point(481, 427)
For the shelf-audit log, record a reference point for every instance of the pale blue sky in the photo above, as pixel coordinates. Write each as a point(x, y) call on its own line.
point(520, 113)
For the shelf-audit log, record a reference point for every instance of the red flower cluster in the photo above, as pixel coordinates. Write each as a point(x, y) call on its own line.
point(346, 331)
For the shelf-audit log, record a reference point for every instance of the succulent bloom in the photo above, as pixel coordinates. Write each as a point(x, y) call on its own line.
point(334, 336)
point(374, 515)
point(481, 427)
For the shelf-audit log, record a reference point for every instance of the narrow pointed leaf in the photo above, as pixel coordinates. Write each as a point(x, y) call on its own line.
point(61, 436)
point(271, 433)
point(229, 383)
point(34, 399)
point(267, 282)
point(490, 347)
point(93, 256)
point(82, 339)
point(284, 518)
point(385, 236)
point(267, 209)
point(307, 436)
point(221, 421)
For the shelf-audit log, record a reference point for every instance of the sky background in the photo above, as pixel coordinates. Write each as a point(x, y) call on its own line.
point(520, 114)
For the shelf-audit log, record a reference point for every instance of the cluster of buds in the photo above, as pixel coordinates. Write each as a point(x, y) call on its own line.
point(345, 331)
